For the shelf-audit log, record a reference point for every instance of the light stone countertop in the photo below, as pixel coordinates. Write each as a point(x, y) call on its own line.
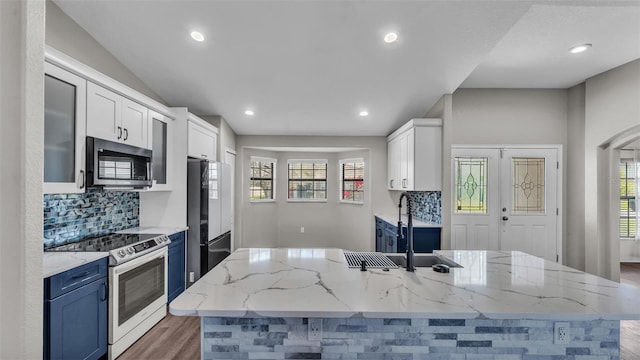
point(281, 282)
point(393, 219)
point(167, 230)
point(54, 263)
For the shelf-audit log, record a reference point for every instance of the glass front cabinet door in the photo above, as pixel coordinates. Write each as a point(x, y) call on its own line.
point(64, 131)
point(161, 140)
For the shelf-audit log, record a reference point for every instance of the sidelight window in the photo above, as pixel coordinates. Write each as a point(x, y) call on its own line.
point(352, 180)
point(628, 219)
point(262, 182)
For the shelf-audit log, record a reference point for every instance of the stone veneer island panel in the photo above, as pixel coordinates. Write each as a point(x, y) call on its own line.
point(406, 339)
point(500, 305)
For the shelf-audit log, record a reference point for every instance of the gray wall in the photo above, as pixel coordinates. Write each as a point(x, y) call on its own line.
point(612, 107)
point(64, 34)
point(332, 223)
point(510, 116)
point(21, 163)
point(574, 191)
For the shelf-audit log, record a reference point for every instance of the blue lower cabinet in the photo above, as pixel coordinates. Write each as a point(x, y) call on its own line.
point(425, 240)
point(75, 323)
point(177, 270)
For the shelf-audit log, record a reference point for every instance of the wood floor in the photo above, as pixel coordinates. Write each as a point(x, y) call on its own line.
point(178, 337)
point(174, 337)
point(630, 330)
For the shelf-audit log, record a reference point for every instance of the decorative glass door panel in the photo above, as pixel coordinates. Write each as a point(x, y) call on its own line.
point(470, 185)
point(528, 180)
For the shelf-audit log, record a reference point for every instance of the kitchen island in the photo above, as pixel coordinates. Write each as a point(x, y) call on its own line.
point(499, 305)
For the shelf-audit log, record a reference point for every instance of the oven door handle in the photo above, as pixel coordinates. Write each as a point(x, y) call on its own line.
point(137, 262)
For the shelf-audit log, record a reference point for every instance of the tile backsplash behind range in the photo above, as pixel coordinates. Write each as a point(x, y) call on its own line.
point(427, 206)
point(72, 217)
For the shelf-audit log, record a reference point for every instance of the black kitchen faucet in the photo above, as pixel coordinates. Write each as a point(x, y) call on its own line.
point(410, 266)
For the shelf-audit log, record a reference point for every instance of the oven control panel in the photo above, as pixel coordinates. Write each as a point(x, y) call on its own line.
point(131, 252)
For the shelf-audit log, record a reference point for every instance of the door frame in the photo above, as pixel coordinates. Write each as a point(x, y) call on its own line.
point(559, 183)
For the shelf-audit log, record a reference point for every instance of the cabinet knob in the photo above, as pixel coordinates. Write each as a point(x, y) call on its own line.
point(505, 218)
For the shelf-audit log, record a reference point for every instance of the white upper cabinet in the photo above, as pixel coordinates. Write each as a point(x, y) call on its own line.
point(64, 131)
point(393, 165)
point(135, 124)
point(161, 136)
point(116, 118)
point(414, 157)
point(201, 139)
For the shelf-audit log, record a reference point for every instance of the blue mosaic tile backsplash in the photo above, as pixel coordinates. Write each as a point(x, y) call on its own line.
point(72, 217)
point(427, 206)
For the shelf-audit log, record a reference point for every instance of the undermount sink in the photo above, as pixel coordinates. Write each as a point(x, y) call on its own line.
point(422, 260)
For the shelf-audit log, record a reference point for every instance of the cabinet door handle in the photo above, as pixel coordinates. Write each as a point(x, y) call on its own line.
point(404, 183)
point(204, 156)
point(81, 275)
point(104, 291)
point(119, 132)
point(391, 183)
point(378, 232)
point(126, 134)
point(83, 179)
point(390, 241)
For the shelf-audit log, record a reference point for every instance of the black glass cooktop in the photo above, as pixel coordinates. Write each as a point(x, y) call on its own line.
point(104, 243)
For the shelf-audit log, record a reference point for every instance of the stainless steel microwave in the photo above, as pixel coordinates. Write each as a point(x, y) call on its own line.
point(118, 166)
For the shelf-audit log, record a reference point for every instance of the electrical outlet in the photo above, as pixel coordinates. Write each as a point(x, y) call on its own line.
point(315, 329)
point(192, 276)
point(302, 229)
point(561, 333)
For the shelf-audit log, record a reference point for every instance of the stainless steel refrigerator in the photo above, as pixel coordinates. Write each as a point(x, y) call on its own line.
point(208, 216)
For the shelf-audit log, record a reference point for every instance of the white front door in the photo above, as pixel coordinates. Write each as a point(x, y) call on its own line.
point(476, 199)
point(506, 199)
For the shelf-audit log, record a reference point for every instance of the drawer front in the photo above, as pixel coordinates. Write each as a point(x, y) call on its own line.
point(69, 280)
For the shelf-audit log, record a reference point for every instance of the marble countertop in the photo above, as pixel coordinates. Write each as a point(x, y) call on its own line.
point(54, 263)
point(393, 219)
point(281, 282)
point(154, 230)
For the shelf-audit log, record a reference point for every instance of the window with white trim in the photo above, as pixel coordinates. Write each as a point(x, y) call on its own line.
point(628, 219)
point(262, 182)
point(352, 180)
point(307, 180)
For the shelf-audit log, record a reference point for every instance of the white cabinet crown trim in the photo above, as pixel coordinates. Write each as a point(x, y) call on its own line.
point(412, 124)
point(72, 65)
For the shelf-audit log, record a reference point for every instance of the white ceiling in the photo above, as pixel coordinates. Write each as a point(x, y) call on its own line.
point(309, 67)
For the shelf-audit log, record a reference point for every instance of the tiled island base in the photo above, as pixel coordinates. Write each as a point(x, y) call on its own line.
point(407, 339)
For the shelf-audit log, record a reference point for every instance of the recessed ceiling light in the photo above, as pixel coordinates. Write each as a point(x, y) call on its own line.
point(390, 37)
point(579, 48)
point(249, 112)
point(197, 36)
point(364, 113)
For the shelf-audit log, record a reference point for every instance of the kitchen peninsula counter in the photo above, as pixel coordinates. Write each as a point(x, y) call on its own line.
point(260, 303)
point(281, 282)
